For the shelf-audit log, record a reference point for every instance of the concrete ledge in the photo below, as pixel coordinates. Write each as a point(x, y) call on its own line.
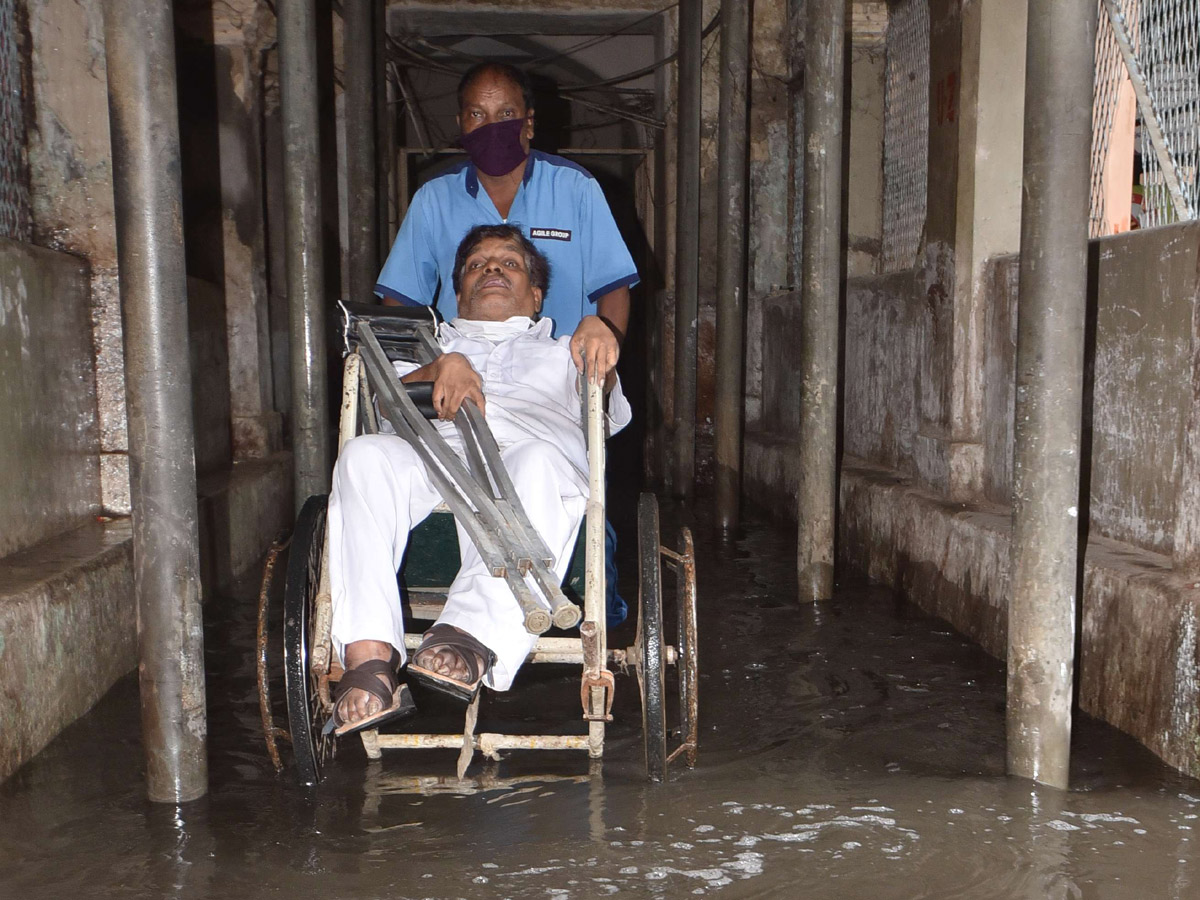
point(68, 613)
point(242, 510)
point(948, 558)
point(771, 472)
point(1138, 659)
point(1139, 662)
point(68, 631)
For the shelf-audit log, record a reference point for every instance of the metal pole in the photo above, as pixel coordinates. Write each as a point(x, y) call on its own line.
point(1050, 323)
point(731, 257)
point(824, 72)
point(362, 214)
point(385, 142)
point(687, 243)
point(139, 39)
point(303, 243)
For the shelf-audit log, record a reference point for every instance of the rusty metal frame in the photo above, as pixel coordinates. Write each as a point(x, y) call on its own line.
point(686, 655)
point(271, 731)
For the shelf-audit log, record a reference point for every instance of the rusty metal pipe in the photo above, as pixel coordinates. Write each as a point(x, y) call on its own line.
point(731, 257)
point(362, 213)
point(271, 732)
point(1049, 400)
point(305, 260)
point(824, 74)
point(687, 244)
point(139, 40)
point(385, 136)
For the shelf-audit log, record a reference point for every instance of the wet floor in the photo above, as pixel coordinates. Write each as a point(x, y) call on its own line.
point(849, 749)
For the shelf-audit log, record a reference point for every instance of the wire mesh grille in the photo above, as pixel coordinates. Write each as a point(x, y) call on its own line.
point(1164, 37)
point(905, 133)
point(15, 219)
point(1170, 57)
point(1110, 76)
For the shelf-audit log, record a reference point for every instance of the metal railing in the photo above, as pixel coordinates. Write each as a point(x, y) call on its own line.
point(1151, 47)
point(905, 133)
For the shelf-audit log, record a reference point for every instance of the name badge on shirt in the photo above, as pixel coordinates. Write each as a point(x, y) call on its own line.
point(550, 234)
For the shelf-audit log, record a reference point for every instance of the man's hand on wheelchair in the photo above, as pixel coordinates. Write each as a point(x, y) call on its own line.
point(595, 349)
point(454, 380)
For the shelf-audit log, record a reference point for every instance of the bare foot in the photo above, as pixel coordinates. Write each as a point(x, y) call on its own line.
point(358, 704)
point(449, 662)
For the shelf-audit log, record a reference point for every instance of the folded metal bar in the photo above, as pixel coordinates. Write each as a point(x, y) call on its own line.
point(498, 526)
point(445, 469)
point(484, 441)
point(534, 557)
point(470, 505)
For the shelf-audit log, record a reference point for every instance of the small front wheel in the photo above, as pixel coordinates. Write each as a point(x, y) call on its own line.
point(649, 640)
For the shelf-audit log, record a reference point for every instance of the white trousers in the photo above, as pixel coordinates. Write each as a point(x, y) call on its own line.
point(381, 491)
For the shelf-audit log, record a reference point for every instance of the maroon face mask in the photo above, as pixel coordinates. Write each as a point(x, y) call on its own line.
point(495, 148)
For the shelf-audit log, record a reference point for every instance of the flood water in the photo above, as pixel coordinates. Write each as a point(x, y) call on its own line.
point(849, 749)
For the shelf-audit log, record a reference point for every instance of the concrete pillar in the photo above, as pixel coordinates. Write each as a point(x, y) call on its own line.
point(304, 249)
point(824, 75)
point(256, 427)
point(1050, 339)
point(687, 244)
point(731, 257)
point(144, 120)
point(362, 213)
point(987, 213)
point(70, 169)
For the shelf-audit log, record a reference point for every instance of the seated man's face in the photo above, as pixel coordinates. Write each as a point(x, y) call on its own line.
point(494, 284)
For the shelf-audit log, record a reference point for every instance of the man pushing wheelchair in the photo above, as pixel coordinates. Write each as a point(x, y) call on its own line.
point(498, 355)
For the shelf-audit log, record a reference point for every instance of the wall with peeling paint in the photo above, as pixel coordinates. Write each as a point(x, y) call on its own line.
point(1137, 665)
point(1143, 292)
point(1143, 381)
point(49, 436)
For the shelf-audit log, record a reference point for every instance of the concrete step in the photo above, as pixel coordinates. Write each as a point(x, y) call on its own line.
point(68, 630)
point(68, 614)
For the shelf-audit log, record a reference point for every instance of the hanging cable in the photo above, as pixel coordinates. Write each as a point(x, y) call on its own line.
point(591, 42)
point(645, 70)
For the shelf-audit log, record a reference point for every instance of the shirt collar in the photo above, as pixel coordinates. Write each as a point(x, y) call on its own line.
point(472, 183)
point(542, 327)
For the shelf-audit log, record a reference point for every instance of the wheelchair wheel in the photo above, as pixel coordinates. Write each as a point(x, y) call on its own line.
point(649, 640)
point(306, 714)
point(687, 659)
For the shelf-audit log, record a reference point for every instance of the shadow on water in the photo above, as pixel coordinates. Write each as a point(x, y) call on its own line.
point(849, 749)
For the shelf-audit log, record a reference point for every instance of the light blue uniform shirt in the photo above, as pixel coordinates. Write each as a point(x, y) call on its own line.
point(559, 206)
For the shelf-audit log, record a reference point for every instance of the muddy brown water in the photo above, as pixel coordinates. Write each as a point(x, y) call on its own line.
point(850, 749)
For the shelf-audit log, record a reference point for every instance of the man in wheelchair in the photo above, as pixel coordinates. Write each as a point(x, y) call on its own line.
point(499, 356)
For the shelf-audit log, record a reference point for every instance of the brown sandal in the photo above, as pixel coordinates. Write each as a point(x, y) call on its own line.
point(371, 676)
point(469, 649)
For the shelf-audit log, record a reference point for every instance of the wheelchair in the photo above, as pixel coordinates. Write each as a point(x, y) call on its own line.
point(374, 337)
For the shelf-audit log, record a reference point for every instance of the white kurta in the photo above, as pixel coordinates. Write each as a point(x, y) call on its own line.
point(381, 491)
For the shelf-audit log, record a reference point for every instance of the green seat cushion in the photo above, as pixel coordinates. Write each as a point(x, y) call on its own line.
point(432, 558)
